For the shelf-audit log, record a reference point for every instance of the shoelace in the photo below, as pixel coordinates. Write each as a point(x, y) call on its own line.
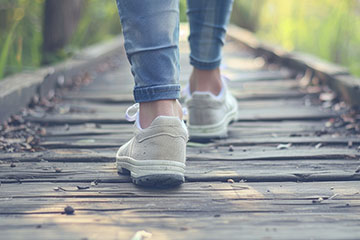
point(132, 118)
point(135, 107)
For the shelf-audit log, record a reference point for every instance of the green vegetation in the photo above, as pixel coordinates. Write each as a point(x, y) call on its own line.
point(100, 21)
point(329, 29)
point(21, 32)
point(20, 35)
point(246, 14)
point(183, 17)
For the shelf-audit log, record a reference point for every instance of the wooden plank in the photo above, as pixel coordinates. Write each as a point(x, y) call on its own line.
point(202, 210)
point(109, 97)
point(88, 129)
point(313, 140)
point(261, 75)
point(103, 97)
point(265, 114)
point(115, 140)
point(348, 87)
point(80, 106)
point(241, 134)
point(268, 153)
point(229, 198)
point(17, 91)
point(250, 189)
point(212, 170)
point(267, 191)
point(283, 88)
point(165, 227)
point(304, 128)
point(277, 85)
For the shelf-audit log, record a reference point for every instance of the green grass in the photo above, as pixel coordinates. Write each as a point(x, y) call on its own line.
point(5, 50)
point(329, 29)
point(21, 46)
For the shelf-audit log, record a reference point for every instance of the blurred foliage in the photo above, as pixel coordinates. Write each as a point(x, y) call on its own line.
point(183, 17)
point(246, 14)
point(20, 35)
point(329, 29)
point(100, 21)
point(21, 32)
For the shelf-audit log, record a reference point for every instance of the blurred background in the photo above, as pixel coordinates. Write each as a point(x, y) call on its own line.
point(40, 32)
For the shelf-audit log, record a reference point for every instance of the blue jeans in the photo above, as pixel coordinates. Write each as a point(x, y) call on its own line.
point(151, 33)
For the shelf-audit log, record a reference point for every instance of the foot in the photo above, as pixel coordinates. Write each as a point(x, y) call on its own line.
point(211, 111)
point(155, 156)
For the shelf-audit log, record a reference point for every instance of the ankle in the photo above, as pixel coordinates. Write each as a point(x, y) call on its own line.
point(151, 110)
point(206, 81)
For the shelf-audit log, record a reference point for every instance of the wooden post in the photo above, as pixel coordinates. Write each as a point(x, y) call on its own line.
point(60, 21)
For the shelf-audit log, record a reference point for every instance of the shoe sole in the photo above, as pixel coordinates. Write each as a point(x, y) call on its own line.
point(152, 173)
point(218, 130)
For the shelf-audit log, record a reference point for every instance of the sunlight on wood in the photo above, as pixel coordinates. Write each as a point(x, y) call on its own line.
point(248, 64)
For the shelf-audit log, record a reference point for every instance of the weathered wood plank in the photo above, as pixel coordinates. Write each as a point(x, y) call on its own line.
point(196, 171)
point(114, 140)
point(268, 153)
point(81, 107)
point(117, 98)
point(304, 128)
point(120, 226)
point(122, 94)
point(269, 75)
point(276, 190)
point(265, 114)
point(348, 87)
point(221, 194)
point(17, 91)
point(251, 189)
point(201, 209)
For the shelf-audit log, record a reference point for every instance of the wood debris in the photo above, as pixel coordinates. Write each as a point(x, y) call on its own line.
point(319, 145)
point(68, 210)
point(283, 146)
point(231, 148)
point(319, 200)
point(230, 180)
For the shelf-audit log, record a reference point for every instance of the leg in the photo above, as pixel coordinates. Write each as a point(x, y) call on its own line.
point(211, 106)
point(208, 20)
point(156, 155)
point(150, 29)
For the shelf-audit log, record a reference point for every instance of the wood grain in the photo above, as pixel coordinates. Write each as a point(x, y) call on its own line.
point(241, 187)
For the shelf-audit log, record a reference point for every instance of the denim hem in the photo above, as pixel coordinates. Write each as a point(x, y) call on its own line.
point(154, 93)
point(204, 65)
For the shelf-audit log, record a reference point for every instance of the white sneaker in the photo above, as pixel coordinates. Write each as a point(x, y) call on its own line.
point(210, 115)
point(156, 155)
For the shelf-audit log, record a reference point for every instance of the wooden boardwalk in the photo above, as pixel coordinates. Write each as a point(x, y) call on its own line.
point(289, 169)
